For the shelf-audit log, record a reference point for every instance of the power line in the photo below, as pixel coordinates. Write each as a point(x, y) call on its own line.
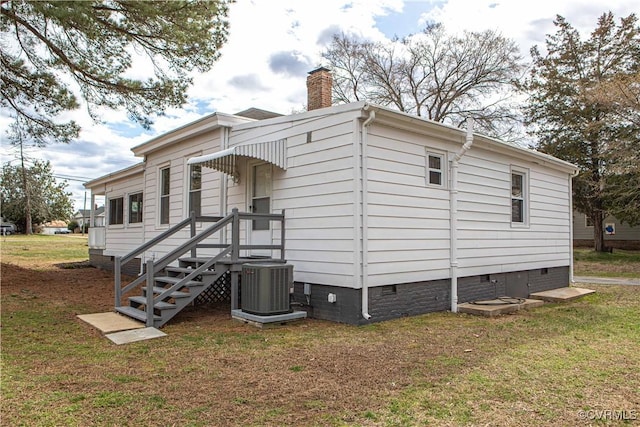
point(72, 178)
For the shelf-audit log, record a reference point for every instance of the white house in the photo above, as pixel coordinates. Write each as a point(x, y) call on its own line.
point(392, 214)
point(616, 233)
point(83, 216)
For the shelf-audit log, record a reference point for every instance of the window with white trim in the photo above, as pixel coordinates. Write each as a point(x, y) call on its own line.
point(135, 208)
point(587, 221)
point(436, 169)
point(165, 188)
point(116, 210)
point(195, 189)
point(519, 197)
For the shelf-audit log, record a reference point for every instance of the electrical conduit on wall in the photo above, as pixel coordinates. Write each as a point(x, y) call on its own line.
point(453, 215)
point(365, 216)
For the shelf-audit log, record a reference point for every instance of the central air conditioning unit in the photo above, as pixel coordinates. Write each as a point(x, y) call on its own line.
point(265, 288)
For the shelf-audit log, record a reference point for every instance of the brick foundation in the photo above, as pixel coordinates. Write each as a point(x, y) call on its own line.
point(410, 299)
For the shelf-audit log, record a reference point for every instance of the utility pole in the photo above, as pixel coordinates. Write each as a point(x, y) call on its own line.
point(25, 186)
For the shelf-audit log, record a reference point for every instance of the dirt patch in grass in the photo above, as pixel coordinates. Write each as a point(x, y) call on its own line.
point(532, 368)
point(620, 263)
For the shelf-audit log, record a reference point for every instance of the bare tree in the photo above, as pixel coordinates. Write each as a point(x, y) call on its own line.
point(620, 94)
point(433, 75)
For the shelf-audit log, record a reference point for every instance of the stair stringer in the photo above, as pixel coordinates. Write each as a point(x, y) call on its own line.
point(194, 292)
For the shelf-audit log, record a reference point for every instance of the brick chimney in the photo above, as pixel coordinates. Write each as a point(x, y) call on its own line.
point(319, 83)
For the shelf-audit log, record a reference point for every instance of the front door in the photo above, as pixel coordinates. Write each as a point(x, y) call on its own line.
point(260, 202)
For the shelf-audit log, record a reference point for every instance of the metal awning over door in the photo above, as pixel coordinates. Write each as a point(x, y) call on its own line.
point(274, 152)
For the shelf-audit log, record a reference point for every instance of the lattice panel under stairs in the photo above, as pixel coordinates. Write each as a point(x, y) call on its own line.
point(219, 291)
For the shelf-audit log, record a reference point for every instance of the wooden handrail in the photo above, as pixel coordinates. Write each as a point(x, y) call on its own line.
point(193, 244)
point(195, 273)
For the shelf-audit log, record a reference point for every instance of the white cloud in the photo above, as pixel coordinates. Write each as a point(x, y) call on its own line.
point(527, 22)
point(271, 42)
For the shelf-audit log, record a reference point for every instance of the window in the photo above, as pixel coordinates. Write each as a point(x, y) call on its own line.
point(435, 169)
point(587, 221)
point(195, 187)
point(135, 208)
point(261, 195)
point(165, 185)
point(518, 197)
point(116, 211)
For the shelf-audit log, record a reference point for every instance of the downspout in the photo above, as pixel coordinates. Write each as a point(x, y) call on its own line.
point(365, 217)
point(453, 215)
point(357, 266)
point(575, 173)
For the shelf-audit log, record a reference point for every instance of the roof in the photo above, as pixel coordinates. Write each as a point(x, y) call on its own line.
point(361, 109)
point(197, 127)
point(56, 224)
point(257, 114)
point(136, 169)
point(87, 212)
point(401, 120)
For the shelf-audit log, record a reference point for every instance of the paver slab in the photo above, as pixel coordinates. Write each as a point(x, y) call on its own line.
point(126, 337)
point(562, 294)
point(496, 307)
point(110, 322)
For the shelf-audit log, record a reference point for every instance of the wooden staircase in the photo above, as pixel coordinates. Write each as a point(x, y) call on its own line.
point(166, 288)
point(182, 292)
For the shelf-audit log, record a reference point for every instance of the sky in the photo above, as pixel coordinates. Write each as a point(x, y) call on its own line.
point(273, 44)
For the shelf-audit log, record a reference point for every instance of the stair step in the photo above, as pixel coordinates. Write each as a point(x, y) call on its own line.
point(187, 270)
point(175, 294)
point(160, 305)
point(193, 260)
point(174, 280)
point(135, 313)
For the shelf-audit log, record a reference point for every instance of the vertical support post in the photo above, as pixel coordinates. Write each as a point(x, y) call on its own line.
point(234, 290)
point(235, 255)
point(192, 216)
point(150, 283)
point(117, 265)
point(235, 236)
point(282, 237)
point(92, 211)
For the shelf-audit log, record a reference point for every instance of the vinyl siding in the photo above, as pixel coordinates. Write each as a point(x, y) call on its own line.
point(121, 238)
point(409, 220)
point(488, 243)
point(316, 192)
point(175, 157)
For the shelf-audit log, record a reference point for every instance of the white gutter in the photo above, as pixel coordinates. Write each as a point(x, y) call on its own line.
point(365, 217)
point(453, 215)
point(575, 173)
point(357, 270)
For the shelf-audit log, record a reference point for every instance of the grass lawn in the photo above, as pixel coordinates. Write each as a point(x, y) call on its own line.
point(543, 367)
point(43, 250)
point(620, 263)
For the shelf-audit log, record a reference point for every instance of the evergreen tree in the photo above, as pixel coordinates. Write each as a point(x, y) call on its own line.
point(571, 123)
point(51, 52)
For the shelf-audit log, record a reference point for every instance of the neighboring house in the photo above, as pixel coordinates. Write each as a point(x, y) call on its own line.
point(616, 234)
point(6, 227)
point(83, 216)
point(55, 227)
point(386, 214)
